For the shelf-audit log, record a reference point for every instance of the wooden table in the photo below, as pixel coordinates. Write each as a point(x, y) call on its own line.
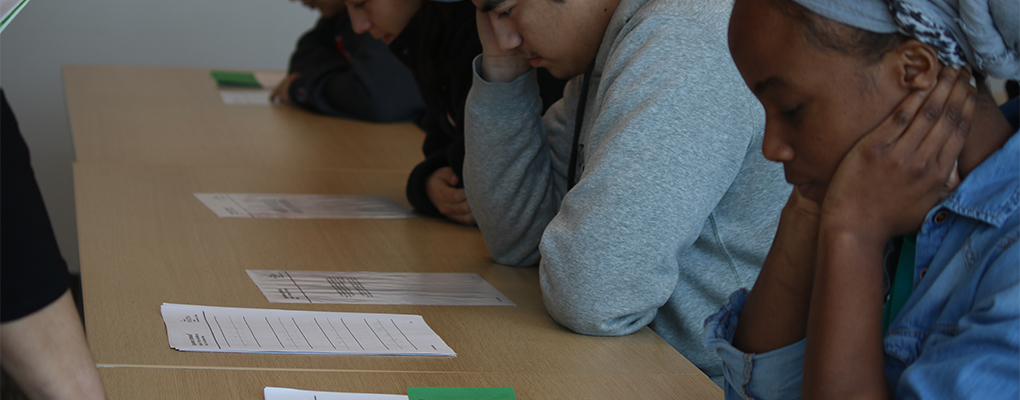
point(151, 115)
point(146, 240)
point(217, 384)
point(147, 139)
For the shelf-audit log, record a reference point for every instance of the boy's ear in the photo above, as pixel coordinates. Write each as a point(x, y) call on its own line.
point(917, 65)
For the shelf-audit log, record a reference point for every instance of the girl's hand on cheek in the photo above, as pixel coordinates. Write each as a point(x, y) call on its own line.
point(896, 173)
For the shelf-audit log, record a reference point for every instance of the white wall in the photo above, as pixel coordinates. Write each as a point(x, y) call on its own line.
point(228, 34)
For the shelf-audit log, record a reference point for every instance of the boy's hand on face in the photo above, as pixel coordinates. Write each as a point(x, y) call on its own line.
point(501, 62)
point(896, 173)
point(447, 197)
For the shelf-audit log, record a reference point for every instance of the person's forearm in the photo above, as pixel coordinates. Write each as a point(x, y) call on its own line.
point(510, 171)
point(844, 355)
point(47, 355)
point(776, 311)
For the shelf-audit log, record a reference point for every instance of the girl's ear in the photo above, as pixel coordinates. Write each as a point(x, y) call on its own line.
point(916, 65)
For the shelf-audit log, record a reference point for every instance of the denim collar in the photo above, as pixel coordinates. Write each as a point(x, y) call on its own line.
point(991, 192)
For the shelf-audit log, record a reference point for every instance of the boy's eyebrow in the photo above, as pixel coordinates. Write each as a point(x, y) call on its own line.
point(490, 5)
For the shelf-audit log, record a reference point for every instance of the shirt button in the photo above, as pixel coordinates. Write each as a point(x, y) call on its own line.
point(923, 271)
point(941, 216)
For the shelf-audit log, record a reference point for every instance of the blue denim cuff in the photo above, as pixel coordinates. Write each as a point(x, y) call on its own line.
point(772, 375)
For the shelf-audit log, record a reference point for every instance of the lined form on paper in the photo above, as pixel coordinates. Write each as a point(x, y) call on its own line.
point(343, 287)
point(275, 393)
point(246, 205)
point(253, 330)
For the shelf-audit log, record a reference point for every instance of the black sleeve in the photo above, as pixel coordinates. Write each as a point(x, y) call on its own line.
point(33, 274)
point(437, 147)
point(444, 49)
point(317, 46)
point(446, 149)
point(365, 81)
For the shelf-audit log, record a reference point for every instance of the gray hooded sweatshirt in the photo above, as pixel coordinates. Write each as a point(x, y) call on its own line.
point(674, 206)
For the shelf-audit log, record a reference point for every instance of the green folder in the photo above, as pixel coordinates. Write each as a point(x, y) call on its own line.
point(233, 78)
point(460, 393)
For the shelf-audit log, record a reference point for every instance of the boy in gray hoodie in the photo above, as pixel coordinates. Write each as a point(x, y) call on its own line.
point(643, 193)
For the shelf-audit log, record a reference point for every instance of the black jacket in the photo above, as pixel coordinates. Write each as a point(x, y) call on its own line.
point(438, 45)
point(366, 83)
point(33, 274)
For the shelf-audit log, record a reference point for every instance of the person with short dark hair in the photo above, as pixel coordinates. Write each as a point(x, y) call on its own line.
point(642, 195)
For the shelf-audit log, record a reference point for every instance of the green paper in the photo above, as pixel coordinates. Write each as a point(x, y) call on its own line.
point(232, 78)
point(460, 393)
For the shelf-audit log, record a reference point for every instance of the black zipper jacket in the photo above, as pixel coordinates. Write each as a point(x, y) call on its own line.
point(438, 45)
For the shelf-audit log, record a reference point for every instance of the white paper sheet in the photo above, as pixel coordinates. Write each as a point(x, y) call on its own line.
point(254, 330)
point(246, 205)
point(245, 97)
point(342, 287)
point(275, 393)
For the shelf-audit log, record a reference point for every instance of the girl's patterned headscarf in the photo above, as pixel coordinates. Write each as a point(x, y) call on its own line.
point(982, 33)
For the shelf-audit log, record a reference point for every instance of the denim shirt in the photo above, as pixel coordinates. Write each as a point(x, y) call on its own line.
point(958, 335)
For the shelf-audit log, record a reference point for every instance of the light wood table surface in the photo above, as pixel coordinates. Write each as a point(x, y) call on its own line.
point(199, 384)
point(146, 240)
point(157, 115)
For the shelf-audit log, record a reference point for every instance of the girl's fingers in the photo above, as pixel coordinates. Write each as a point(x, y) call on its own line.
point(960, 130)
point(949, 118)
point(930, 112)
point(906, 114)
point(943, 144)
point(899, 119)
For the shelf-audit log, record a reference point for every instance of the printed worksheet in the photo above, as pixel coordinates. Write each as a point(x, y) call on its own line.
point(245, 97)
point(343, 287)
point(254, 330)
point(247, 205)
point(275, 393)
